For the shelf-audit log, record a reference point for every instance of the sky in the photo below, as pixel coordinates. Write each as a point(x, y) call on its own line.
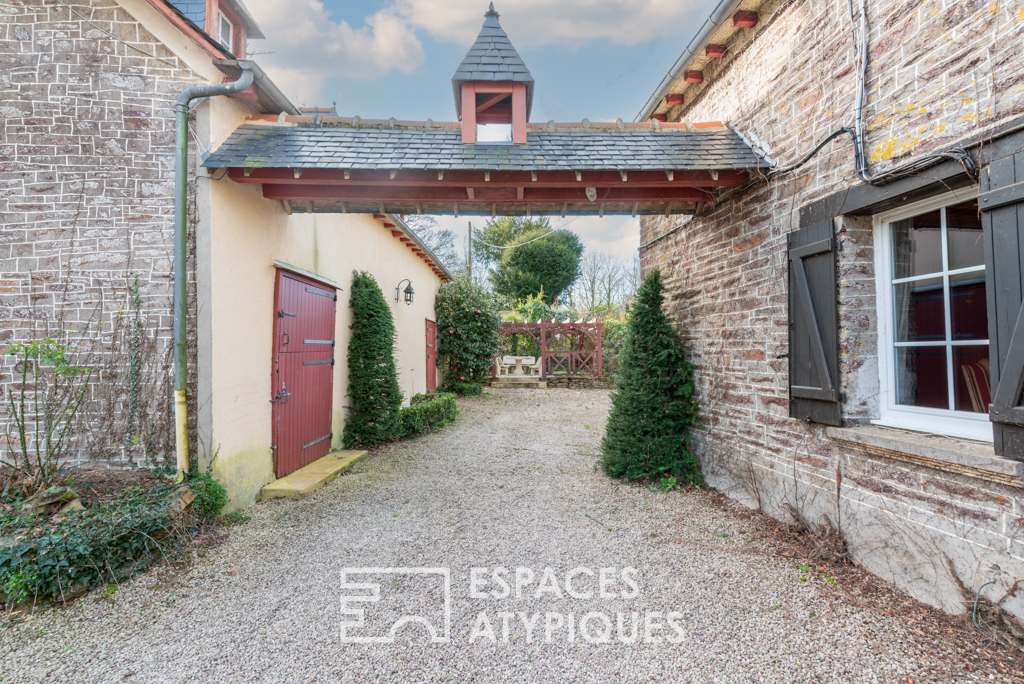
point(595, 59)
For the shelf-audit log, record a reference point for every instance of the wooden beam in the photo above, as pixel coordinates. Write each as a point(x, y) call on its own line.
point(411, 195)
point(397, 233)
point(715, 51)
point(675, 99)
point(463, 178)
point(469, 192)
point(491, 101)
point(468, 113)
point(519, 113)
point(744, 19)
point(694, 77)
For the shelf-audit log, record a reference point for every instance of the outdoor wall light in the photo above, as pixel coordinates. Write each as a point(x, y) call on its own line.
point(408, 291)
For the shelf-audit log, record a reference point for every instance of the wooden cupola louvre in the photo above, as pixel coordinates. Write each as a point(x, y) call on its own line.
point(493, 85)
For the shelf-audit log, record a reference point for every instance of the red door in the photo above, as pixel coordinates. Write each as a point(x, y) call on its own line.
point(431, 353)
point(303, 372)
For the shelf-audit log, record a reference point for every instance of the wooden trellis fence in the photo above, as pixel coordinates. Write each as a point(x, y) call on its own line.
point(565, 348)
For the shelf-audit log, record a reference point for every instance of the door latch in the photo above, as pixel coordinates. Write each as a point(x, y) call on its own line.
point(282, 396)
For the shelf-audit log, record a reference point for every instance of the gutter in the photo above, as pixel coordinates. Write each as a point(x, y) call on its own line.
point(419, 243)
point(262, 81)
point(722, 13)
point(245, 80)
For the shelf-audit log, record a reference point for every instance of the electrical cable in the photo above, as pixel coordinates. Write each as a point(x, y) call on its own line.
point(958, 154)
point(480, 240)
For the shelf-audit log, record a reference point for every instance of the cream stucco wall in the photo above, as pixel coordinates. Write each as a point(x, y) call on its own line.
point(239, 237)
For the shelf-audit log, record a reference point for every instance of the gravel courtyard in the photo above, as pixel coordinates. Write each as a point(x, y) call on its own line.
point(513, 484)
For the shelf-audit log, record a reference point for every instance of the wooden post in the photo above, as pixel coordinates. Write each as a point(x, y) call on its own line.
point(469, 113)
point(600, 370)
point(518, 113)
point(543, 349)
point(469, 252)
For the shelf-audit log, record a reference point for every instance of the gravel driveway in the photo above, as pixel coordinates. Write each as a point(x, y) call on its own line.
point(513, 484)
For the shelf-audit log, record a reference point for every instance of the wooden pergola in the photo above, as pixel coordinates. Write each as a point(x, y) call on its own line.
point(570, 349)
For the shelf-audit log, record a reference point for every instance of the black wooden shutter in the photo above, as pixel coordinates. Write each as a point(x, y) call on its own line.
point(1002, 205)
point(813, 325)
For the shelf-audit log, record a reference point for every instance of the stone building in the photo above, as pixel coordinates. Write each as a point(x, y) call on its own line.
point(851, 321)
point(87, 174)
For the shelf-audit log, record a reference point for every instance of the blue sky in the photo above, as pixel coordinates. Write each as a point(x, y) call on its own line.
point(598, 59)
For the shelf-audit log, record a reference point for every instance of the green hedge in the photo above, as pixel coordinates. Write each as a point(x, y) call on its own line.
point(427, 416)
point(102, 545)
point(463, 389)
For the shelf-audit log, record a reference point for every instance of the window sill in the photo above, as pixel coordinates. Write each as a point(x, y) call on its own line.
point(963, 456)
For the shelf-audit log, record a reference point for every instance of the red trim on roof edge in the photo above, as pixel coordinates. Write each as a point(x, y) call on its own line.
point(214, 49)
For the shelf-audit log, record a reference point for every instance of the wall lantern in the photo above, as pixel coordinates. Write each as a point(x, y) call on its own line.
point(408, 291)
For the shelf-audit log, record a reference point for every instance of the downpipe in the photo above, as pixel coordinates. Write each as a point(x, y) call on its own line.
point(180, 247)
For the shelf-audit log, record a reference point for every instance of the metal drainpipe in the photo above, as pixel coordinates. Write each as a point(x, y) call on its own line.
point(180, 239)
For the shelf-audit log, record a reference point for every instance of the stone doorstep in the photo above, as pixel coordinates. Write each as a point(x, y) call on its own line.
point(520, 383)
point(963, 456)
point(305, 480)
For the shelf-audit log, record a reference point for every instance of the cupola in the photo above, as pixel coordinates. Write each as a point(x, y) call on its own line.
point(493, 85)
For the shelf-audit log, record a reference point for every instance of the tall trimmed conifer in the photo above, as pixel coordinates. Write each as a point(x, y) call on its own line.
point(653, 407)
point(373, 392)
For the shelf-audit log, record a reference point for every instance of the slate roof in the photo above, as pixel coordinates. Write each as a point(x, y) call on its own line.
point(328, 147)
point(492, 58)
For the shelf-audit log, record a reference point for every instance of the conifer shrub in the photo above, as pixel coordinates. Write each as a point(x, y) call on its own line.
point(467, 330)
point(374, 396)
point(428, 416)
point(463, 389)
point(653, 408)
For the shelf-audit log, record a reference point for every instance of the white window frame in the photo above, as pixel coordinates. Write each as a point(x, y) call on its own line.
point(221, 17)
point(964, 424)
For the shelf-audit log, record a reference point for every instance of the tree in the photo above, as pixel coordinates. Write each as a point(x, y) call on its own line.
point(374, 395)
point(502, 231)
point(441, 241)
point(467, 330)
point(653, 407)
point(531, 266)
point(600, 282)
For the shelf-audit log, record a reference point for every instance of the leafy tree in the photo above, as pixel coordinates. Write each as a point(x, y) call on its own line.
point(443, 242)
point(501, 231)
point(467, 324)
point(653, 407)
point(550, 265)
point(374, 395)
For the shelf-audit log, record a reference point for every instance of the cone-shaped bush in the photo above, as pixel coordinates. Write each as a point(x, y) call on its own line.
point(374, 397)
point(653, 407)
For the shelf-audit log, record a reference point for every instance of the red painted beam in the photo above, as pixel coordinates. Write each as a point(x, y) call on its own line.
point(674, 99)
point(476, 179)
point(659, 117)
point(694, 77)
point(714, 51)
point(744, 19)
point(397, 233)
point(490, 101)
point(494, 116)
point(503, 195)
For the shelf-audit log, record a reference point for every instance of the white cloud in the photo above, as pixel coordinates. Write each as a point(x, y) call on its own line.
point(310, 47)
point(534, 23)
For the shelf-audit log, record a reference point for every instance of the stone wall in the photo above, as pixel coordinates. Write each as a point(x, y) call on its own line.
point(941, 70)
point(86, 205)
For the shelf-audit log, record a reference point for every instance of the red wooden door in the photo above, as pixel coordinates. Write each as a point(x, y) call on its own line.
point(431, 354)
point(303, 371)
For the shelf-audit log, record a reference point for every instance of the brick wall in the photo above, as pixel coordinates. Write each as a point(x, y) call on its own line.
point(940, 71)
point(86, 205)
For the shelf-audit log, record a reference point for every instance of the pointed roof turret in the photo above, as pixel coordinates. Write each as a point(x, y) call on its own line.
point(492, 58)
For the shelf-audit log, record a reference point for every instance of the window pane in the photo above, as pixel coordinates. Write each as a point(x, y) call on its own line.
point(917, 245)
point(921, 377)
point(225, 32)
point(968, 307)
point(920, 311)
point(963, 230)
point(972, 381)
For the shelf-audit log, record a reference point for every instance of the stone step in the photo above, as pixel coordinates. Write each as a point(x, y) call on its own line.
point(304, 481)
point(519, 383)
